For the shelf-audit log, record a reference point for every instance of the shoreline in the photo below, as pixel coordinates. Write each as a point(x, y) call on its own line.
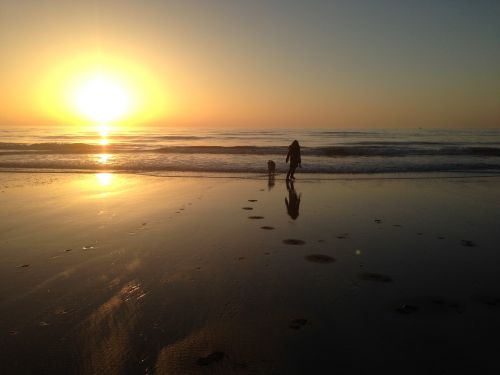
point(302, 176)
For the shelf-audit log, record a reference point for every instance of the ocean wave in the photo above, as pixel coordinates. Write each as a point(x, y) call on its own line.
point(384, 149)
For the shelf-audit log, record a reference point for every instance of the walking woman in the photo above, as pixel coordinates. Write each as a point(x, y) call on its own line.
point(294, 157)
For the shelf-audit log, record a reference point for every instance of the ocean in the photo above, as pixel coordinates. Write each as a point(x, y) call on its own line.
point(156, 150)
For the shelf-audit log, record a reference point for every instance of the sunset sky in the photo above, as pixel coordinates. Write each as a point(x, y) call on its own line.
point(341, 64)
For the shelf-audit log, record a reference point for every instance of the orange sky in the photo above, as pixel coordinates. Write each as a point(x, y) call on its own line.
point(283, 64)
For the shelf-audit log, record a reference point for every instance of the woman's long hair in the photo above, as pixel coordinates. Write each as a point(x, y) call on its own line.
point(294, 147)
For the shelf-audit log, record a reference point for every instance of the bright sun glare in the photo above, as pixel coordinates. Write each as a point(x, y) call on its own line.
point(102, 99)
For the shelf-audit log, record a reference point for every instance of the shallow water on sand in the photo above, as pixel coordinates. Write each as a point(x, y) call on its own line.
point(127, 274)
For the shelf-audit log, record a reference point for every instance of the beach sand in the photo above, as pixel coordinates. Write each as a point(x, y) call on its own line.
point(133, 274)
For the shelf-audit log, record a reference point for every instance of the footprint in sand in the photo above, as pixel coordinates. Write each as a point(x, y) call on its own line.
point(435, 306)
point(468, 243)
point(297, 323)
point(489, 300)
point(211, 358)
point(407, 309)
point(256, 217)
point(293, 241)
point(370, 276)
point(267, 227)
point(319, 258)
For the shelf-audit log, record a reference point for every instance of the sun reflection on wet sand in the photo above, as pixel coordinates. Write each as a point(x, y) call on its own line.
point(108, 331)
point(104, 178)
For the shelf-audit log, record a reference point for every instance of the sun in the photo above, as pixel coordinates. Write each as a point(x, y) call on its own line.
point(102, 99)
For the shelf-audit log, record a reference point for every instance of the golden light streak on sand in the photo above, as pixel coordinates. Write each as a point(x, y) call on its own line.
point(104, 178)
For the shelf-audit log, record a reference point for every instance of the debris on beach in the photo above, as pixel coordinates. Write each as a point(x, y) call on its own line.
point(256, 217)
point(247, 208)
point(267, 227)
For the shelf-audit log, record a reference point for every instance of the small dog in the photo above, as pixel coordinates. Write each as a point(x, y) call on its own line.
point(271, 167)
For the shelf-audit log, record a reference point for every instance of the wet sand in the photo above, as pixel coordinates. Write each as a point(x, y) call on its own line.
point(131, 274)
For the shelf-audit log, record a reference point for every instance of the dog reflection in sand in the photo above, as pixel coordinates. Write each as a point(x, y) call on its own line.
point(271, 170)
point(293, 201)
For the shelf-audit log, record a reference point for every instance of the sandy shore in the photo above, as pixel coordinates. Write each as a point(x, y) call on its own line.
point(131, 274)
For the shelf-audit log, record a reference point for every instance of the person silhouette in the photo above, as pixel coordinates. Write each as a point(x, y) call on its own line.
point(295, 160)
point(293, 201)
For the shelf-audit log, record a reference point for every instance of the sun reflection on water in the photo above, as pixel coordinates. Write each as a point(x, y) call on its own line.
point(103, 130)
point(103, 158)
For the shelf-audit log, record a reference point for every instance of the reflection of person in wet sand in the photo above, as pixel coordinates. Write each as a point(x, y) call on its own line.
point(293, 201)
point(295, 160)
point(270, 181)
